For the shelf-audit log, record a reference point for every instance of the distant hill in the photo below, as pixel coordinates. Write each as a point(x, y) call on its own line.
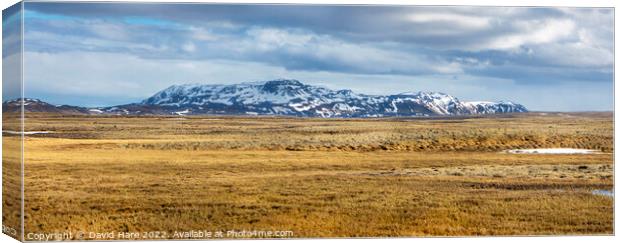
point(36, 105)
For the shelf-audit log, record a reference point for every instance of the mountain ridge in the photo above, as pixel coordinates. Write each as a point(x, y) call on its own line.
point(290, 97)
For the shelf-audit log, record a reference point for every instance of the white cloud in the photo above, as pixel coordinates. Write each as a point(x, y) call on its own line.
point(577, 55)
point(363, 58)
point(11, 76)
point(461, 20)
point(202, 34)
point(189, 47)
point(109, 31)
point(533, 32)
point(62, 42)
point(268, 39)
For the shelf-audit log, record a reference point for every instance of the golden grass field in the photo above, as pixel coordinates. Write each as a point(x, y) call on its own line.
point(317, 177)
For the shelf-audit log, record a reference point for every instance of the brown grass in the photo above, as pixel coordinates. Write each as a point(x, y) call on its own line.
point(11, 186)
point(319, 177)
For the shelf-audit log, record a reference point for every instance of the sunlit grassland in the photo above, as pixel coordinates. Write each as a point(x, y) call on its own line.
point(319, 177)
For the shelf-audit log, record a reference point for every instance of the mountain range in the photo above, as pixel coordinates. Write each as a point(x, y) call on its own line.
point(284, 97)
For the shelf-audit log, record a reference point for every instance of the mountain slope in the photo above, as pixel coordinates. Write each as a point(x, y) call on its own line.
point(291, 97)
point(281, 97)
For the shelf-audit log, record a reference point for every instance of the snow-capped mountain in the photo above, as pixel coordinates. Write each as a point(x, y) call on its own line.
point(291, 97)
point(281, 97)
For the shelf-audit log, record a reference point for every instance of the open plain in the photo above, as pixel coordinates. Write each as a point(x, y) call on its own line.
point(318, 177)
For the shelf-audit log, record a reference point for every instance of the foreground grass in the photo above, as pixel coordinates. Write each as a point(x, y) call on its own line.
point(11, 186)
point(333, 178)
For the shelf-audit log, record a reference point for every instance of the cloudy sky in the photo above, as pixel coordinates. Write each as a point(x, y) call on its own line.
point(551, 59)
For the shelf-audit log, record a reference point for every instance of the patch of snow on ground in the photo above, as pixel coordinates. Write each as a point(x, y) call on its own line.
point(553, 151)
point(603, 193)
point(181, 113)
point(27, 133)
